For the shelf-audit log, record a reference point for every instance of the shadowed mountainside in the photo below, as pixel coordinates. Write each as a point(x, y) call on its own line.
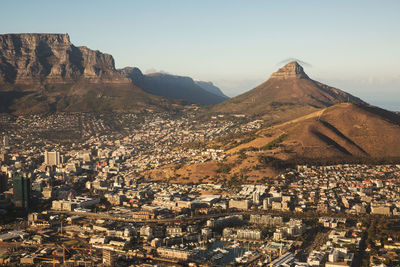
point(176, 87)
point(210, 87)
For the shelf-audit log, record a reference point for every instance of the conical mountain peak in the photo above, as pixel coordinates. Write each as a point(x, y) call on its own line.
point(290, 71)
point(288, 93)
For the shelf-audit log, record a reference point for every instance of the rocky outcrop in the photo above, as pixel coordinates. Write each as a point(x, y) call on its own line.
point(52, 58)
point(133, 73)
point(290, 71)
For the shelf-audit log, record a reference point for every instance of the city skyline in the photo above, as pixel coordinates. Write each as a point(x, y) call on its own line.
point(351, 46)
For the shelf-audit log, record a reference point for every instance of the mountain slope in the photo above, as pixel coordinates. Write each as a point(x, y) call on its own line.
point(210, 87)
point(175, 87)
point(342, 133)
point(343, 130)
point(287, 94)
point(354, 130)
point(47, 73)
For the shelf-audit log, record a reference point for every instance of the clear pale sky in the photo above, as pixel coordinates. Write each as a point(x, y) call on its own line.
point(352, 45)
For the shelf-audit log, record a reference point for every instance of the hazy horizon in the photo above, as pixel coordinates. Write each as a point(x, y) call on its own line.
point(234, 44)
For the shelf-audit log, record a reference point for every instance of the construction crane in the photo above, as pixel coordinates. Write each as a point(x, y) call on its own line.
point(86, 249)
point(64, 249)
point(61, 233)
point(90, 249)
point(78, 261)
point(49, 260)
point(61, 224)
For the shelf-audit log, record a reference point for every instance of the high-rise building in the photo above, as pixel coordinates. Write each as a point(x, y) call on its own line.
point(108, 257)
point(3, 182)
point(3, 156)
point(52, 158)
point(22, 191)
point(5, 141)
point(256, 197)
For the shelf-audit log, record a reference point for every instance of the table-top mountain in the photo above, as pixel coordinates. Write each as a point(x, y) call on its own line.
point(47, 73)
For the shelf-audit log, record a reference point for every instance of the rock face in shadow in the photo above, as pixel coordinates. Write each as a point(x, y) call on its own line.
point(290, 70)
point(47, 73)
point(175, 87)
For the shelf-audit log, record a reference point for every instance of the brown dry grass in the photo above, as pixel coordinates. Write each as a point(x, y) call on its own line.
point(343, 130)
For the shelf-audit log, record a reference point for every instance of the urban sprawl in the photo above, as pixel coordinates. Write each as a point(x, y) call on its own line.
point(84, 202)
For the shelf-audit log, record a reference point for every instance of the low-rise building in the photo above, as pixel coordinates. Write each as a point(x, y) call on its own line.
point(243, 204)
point(171, 253)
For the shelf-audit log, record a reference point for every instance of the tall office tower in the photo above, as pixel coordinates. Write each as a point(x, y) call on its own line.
point(256, 197)
point(3, 182)
point(5, 141)
point(52, 158)
point(21, 191)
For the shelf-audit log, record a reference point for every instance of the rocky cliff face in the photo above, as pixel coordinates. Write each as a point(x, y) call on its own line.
point(42, 73)
point(289, 71)
point(52, 58)
point(133, 73)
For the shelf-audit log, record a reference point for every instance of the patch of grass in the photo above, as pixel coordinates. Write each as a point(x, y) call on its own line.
point(241, 142)
point(267, 161)
point(223, 168)
point(274, 143)
point(276, 104)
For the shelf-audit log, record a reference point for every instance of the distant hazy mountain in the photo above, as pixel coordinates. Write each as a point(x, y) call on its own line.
point(47, 73)
point(210, 87)
point(287, 94)
point(176, 87)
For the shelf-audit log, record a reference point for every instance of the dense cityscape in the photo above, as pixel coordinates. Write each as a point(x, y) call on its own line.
point(73, 193)
point(199, 133)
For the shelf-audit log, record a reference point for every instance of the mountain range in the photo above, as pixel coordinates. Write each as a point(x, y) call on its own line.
point(303, 118)
point(42, 73)
point(176, 87)
point(305, 121)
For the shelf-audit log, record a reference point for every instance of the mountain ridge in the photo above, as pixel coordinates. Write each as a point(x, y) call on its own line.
point(42, 73)
point(288, 93)
point(345, 129)
point(210, 87)
point(175, 86)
